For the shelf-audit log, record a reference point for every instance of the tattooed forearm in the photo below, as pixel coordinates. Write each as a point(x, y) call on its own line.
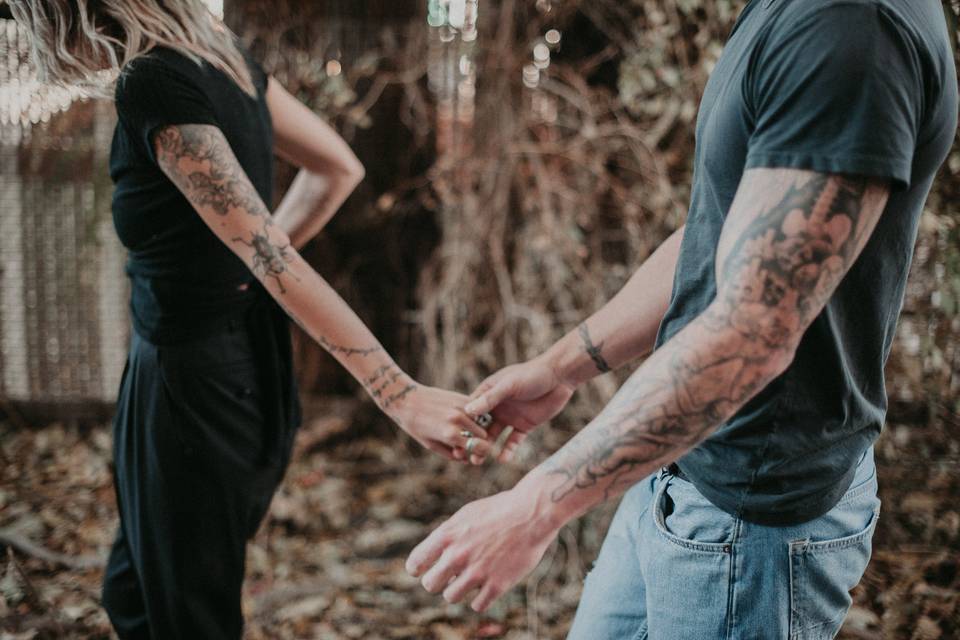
point(269, 259)
point(348, 351)
point(394, 398)
point(199, 161)
point(381, 379)
point(388, 385)
point(594, 351)
point(204, 171)
point(777, 268)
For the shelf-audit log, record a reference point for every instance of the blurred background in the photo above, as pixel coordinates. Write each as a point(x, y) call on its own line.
point(523, 157)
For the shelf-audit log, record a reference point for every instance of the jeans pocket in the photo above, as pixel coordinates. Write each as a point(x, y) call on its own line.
point(688, 563)
point(688, 520)
point(824, 571)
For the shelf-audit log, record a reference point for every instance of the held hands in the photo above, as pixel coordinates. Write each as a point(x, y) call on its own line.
point(489, 545)
point(435, 418)
point(522, 396)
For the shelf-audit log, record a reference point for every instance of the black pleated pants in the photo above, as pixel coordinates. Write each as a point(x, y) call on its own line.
point(201, 442)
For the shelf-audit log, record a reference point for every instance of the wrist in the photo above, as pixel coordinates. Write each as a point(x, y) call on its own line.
point(535, 490)
point(567, 362)
point(390, 388)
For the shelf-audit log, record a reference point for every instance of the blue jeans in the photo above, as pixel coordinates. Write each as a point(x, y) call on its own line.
point(675, 567)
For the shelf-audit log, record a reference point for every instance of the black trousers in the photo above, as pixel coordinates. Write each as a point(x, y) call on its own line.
point(198, 455)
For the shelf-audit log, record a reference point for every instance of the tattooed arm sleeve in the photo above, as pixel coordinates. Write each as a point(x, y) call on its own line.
point(199, 161)
point(789, 238)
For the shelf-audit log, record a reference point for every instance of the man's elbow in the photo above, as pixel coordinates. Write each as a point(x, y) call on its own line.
point(766, 338)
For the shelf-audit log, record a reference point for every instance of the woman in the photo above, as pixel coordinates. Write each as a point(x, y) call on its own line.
point(207, 406)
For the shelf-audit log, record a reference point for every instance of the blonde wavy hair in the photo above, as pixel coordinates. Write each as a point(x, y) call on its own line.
point(76, 41)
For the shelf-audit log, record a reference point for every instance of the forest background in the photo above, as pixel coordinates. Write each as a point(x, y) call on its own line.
point(523, 158)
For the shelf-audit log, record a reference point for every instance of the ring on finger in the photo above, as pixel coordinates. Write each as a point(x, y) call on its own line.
point(471, 445)
point(484, 420)
point(466, 433)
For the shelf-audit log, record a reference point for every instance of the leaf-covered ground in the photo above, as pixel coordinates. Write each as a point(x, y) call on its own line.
point(328, 562)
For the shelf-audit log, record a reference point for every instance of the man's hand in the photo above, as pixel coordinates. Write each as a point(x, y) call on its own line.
point(522, 396)
point(490, 545)
point(788, 241)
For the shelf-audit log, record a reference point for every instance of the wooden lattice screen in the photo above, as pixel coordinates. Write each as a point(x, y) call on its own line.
point(63, 314)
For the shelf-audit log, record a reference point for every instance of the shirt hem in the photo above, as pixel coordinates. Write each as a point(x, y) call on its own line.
point(810, 509)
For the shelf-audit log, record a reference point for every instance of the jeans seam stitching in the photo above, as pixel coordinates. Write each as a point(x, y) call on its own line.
point(794, 577)
point(732, 578)
point(641, 632)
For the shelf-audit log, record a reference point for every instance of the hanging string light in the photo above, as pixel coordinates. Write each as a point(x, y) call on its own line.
point(451, 70)
point(541, 104)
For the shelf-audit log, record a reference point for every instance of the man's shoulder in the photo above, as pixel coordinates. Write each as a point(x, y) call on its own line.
point(920, 19)
point(920, 25)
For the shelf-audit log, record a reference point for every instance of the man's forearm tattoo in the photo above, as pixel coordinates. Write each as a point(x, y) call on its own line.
point(594, 351)
point(209, 176)
point(780, 271)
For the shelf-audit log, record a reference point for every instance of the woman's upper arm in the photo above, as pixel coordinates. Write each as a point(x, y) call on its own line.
point(304, 139)
point(199, 161)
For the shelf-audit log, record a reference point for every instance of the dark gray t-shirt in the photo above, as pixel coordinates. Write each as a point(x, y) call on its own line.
point(864, 87)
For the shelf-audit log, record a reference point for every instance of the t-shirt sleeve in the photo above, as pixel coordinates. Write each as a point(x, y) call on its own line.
point(257, 72)
point(838, 92)
point(151, 95)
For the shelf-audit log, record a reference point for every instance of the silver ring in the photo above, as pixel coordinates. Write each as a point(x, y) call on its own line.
point(466, 434)
point(484, 420)
point(471, 445)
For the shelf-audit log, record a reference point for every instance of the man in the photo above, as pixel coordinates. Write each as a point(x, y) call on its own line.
point(818, 138)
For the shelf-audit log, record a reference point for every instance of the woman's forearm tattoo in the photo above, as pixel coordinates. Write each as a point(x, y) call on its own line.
point(380, 386)
point(204, 170)
point(336, 349)
point(198, 159)
point(269, 259)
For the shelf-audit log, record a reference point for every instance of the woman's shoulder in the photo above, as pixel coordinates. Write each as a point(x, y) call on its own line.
point(158, 61)
point(165, 69)
point(159, 72)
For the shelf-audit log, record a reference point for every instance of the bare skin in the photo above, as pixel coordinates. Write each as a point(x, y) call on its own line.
point(528, 394)
point(329, 169)
point(199, 161)
point(788, 240)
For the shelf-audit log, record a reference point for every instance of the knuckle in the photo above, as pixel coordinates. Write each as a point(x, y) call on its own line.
point(445, 538)
point(453, 593)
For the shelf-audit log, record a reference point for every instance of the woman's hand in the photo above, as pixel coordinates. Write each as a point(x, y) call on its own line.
point(435, 418)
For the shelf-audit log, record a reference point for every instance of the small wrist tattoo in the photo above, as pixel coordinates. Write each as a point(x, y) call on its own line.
point(593, 350)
